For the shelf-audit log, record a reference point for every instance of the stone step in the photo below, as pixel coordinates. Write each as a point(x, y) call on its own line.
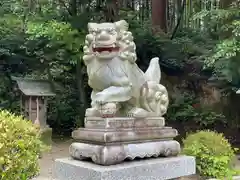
point(123, 122)
point(234, 178)
point(43, 178)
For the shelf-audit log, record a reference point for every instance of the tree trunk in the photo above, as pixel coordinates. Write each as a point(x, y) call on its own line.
point(73, 7)
point(133, 5)
point(81, 93)
point(112, 11)
point(31, 5)
point(159, 13)
point(225, 3)
point(180, 17)
point(143, 10)
point(147, 10)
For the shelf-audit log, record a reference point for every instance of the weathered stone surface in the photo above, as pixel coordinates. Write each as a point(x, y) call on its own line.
point(151, 169)
point(123, 122)
point(114, 154)
point(123, 135)
point(120, 87)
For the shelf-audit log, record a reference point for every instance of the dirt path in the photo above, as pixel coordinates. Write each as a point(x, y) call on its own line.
point(59, 150)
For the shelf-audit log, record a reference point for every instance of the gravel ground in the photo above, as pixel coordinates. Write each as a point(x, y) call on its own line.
point(60, 150)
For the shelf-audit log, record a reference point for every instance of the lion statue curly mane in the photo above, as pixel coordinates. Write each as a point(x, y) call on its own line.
point(120, 87)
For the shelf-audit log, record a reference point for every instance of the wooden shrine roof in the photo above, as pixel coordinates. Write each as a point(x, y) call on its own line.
point(32, 87)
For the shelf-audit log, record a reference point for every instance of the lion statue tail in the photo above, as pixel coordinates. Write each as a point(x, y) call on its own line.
point(153, 72)
point(154, 96)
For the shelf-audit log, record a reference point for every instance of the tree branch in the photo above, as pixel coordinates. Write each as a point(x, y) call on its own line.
point(179, 19)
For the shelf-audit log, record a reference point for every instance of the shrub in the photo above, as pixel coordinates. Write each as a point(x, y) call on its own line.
point(186, 107)
point(214, 154)
point(20, 147)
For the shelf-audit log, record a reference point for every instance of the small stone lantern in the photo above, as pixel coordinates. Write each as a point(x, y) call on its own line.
point(33, 101)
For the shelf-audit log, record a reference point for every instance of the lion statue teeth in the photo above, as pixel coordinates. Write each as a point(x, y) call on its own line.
point(120, 87)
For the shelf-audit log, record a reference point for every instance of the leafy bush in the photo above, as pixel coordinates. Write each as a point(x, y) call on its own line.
point(59, 47)
point(20, 147)
point(214, 154)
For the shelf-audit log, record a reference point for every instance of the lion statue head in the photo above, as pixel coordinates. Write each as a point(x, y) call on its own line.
point(109, 40)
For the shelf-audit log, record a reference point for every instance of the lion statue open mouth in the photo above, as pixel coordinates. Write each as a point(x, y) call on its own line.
point(120, 87)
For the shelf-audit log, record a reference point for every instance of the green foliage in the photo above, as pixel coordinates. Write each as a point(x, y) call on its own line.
point(44, 39)
point(187, 47)
point(20, 147)
point(185, 107)
point(60, 37)
point(9, 24)
point(226, 52)
point(214, 154)
point(58, 46)
point(11, 36)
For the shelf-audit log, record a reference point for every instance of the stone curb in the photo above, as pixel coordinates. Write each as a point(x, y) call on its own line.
point(234, 178)
point(42, 178)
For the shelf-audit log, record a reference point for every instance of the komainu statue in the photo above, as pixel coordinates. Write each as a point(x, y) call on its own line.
point(125, 118)
point(120, 87)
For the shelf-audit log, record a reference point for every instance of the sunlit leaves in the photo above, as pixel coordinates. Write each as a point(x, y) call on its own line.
point(58, 34)
point(227, 49)
point(214, 154)
point(225, 56)
point(236, 28)
point(19, 148)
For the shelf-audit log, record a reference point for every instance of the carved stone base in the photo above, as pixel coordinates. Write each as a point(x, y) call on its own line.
point(109, 141)
point(114, 154)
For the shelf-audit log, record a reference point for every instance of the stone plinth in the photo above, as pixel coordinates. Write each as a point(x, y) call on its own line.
point(150, 169)
point(109, 141)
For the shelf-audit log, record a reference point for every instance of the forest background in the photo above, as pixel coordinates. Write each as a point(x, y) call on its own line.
point(198, 42)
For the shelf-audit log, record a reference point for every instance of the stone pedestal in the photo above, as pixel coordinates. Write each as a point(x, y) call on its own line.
point(108, 141)
point(149, 169)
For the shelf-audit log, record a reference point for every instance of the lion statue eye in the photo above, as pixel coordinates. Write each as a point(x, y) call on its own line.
point(93, 31)
point(98, 31)
point(111, 31)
